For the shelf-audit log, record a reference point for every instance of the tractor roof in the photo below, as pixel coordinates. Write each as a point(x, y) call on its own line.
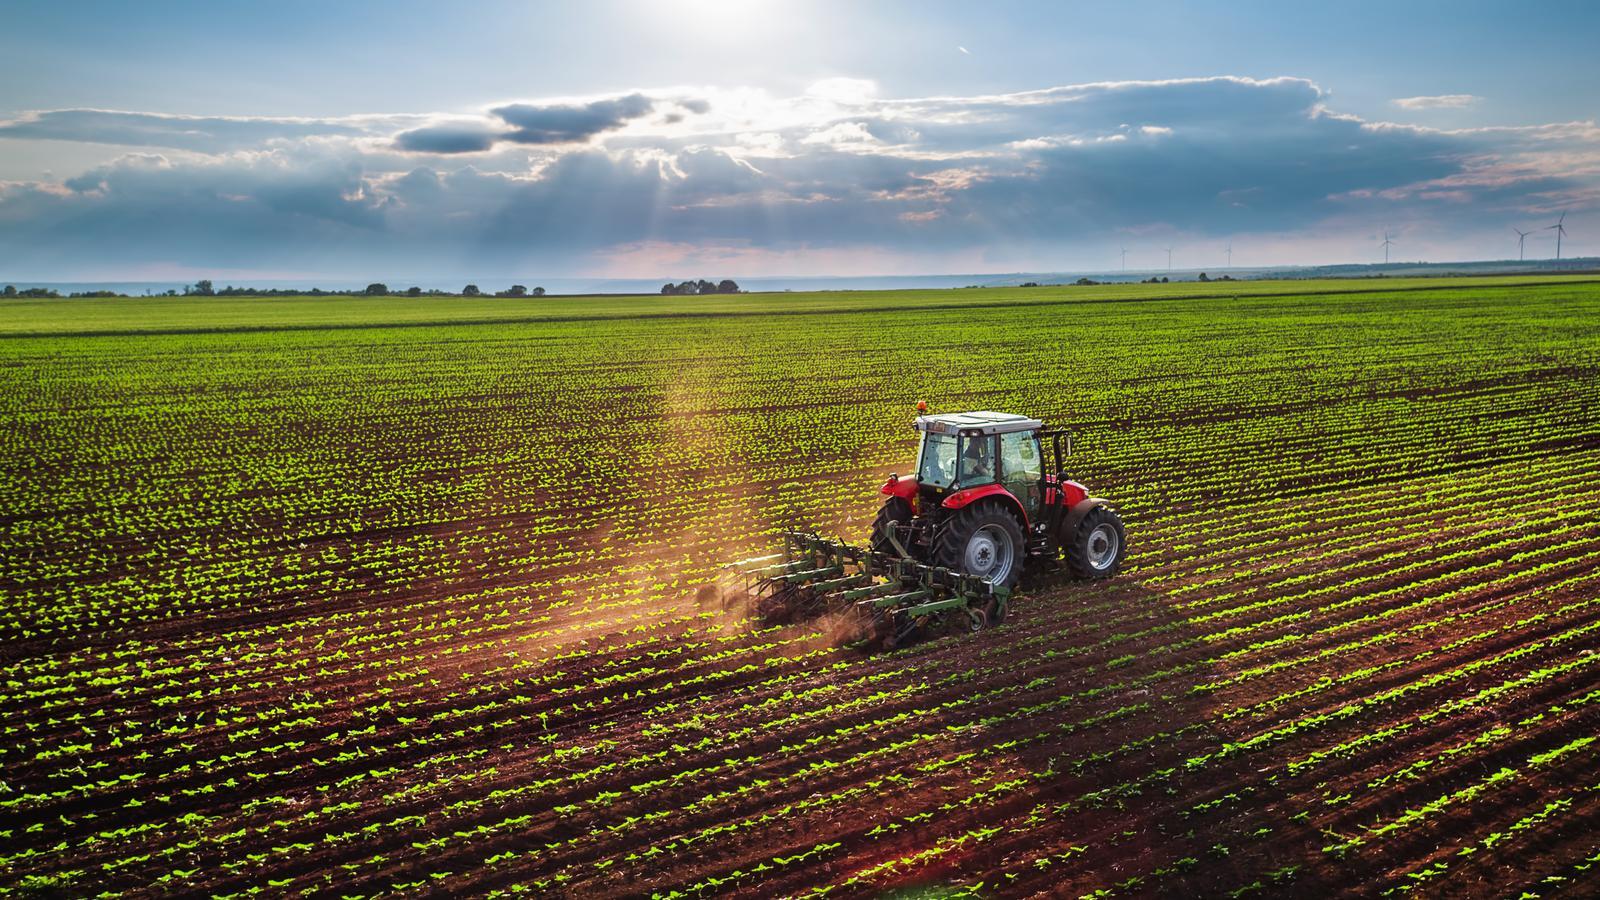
point(976, 423)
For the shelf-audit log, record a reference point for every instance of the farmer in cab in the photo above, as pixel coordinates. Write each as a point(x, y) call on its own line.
point(976, 462)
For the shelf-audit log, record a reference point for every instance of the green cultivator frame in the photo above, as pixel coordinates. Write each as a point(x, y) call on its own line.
point(881, 597)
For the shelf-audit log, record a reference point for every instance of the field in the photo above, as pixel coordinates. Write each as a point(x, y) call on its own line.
point(422, 597)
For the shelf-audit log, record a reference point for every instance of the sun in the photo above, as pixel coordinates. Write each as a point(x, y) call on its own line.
point(719, 21)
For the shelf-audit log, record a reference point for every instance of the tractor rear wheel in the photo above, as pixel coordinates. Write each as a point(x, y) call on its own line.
point(895, 511)
point(985, 540)
point(1095, 548)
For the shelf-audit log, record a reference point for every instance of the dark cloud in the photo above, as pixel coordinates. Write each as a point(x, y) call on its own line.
point(231, 214)
point(446, 139)
point(1207, 179)
point(539, 124)
point(568, 124)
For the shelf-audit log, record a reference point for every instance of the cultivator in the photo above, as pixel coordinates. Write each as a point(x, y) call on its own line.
point(879, 597)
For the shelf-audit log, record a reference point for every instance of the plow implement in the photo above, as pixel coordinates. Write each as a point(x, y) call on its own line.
point(880, 597)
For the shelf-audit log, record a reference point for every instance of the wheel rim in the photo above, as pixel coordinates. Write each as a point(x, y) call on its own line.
point(1103, 546)
point(990, 554)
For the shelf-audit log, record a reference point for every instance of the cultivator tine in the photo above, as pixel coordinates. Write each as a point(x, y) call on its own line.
point(855, 594)
point(903, 629)
point(897, 600)
point(832, 592)
point(777, 569)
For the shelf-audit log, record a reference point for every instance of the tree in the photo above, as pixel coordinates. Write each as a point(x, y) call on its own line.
point(377, 289)
point(413, 292)
point(1203, 277)
point(669, 288)
point(688, 287)
point(727, 286)
point(202, 288)
point(538, 292)
point(470, 290)
point(704, 287)
point(11, 290)
point(517, 290)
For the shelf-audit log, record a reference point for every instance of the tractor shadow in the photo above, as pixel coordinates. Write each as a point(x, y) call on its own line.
point(1102, 708)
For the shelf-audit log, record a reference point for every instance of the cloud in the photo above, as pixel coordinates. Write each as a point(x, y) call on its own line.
point(538, 124)
point(843, 135)
point(837, 176)
point(447, 138)
point(570, 123)
point(200, 133)
point(1438, 101)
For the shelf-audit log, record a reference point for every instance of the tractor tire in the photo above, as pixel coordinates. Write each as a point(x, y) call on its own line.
point(983, 539)
point(895, 511)
point(1096, 548)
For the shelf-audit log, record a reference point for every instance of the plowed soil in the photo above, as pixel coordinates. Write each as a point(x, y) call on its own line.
point(438, 610)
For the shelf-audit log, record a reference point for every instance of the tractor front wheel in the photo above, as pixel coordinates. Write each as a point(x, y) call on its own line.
point(985, 540)
point(1095, 548)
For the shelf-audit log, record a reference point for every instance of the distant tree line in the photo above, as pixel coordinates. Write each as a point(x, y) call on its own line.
point(10, 291)
point(725, 286)
point(204, 288)
point(379, 289)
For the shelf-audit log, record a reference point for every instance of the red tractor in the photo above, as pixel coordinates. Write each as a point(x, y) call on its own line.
point(951, 541)
point(982, 503)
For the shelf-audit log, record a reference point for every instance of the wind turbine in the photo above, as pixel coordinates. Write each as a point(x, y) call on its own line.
point(1230, 254)
point(1169, 260)
point(1560, 229)
point(1522, 238)
point(1385, 245)
point(1124, 259)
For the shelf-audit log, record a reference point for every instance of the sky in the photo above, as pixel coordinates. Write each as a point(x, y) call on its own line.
point(707, 138)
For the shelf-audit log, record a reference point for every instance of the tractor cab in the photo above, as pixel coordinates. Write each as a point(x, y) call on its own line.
point(966, 451)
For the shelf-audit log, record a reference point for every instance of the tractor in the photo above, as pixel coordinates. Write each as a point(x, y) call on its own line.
point(951, 541)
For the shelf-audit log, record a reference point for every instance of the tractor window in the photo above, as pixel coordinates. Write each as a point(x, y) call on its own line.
point(937, 463)
point(1022, 469)
point(977, 460)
